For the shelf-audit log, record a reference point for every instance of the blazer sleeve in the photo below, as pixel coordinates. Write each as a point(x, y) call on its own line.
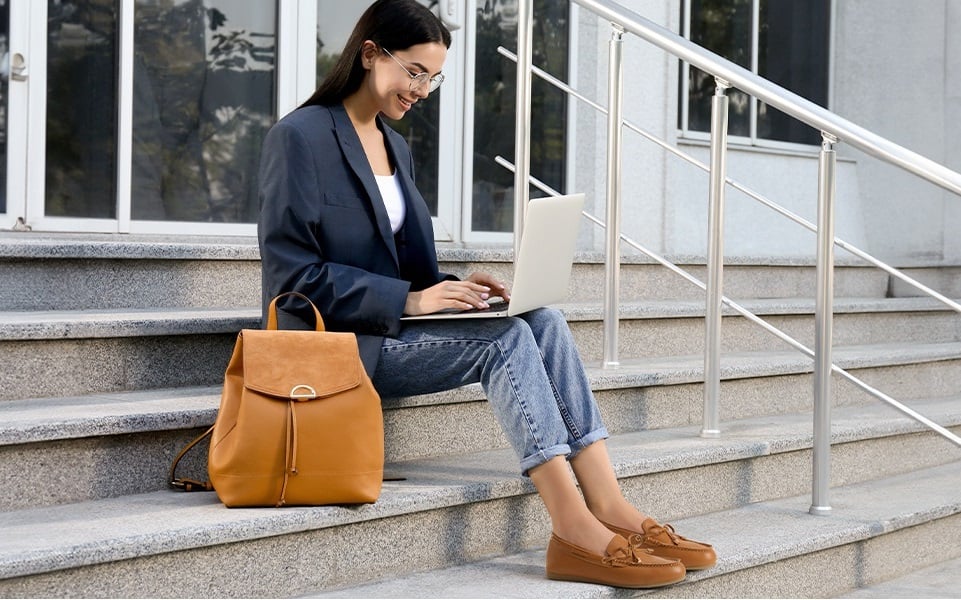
point(350, 297)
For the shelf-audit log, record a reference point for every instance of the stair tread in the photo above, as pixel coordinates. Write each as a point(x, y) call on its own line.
point(34, 325)
point(44, 419)
point(46, 324)
point(941, 580)
point(62, 245)
point(635, 308)
point(660, 309)
point(46, 245)
point(859, 512)
point(42, 539)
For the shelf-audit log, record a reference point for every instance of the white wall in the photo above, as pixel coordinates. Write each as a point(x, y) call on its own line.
point(890, 77)
point(897, 72)
point(952, 125)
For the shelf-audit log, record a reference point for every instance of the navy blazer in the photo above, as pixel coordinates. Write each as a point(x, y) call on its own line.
point(324, 230)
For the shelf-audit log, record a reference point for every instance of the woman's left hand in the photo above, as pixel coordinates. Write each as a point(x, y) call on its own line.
point(498, 288)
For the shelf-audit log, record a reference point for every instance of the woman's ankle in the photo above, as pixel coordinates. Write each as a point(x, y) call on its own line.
point(621, 514)
point(592, 536)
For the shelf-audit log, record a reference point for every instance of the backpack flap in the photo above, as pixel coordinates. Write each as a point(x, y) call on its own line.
point(300, 365)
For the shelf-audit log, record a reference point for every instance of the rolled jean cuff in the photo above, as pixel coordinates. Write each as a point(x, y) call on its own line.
point(542, 456)
point(594, 436)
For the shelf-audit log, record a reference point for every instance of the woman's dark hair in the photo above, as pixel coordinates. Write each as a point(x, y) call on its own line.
point(391, 24)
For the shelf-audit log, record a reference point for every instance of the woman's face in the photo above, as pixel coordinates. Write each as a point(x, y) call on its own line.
point(389, 77)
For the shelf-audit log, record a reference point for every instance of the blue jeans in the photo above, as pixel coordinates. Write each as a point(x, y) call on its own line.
point(529, 369)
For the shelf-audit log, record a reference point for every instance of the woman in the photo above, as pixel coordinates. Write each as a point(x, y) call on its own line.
point(343, 223)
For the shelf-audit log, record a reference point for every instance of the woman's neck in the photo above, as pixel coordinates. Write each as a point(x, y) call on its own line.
point(363, 114)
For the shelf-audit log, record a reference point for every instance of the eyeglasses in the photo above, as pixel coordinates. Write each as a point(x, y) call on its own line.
point(421, 79)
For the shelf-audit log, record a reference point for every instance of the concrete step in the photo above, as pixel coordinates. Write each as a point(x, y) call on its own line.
point(54, 272)
point(770, 549)
point(946, 279)
point(641, 278)
point(88, 271)
point(459, 509)
point(106, 445)
point(940, 580)
point(658, 328)
point(66, 353)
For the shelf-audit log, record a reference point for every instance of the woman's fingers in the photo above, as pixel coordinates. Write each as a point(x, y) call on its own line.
point(498, 288)
point(453, 294)
point(467, 292)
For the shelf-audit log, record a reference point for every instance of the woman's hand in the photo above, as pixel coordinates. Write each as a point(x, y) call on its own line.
point(460, 295)
point(496, 286)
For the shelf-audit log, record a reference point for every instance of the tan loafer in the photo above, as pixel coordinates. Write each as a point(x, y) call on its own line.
point(663, 541)
point(622, 565)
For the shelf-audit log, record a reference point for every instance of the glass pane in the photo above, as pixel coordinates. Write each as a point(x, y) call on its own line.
point(793, 53)
point(203, 101)
point(723, 27)
point(81, 146)
point(335, 21)
point(4, 86)
point(494, 98)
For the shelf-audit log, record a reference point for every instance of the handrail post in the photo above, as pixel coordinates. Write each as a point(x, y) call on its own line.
point(715, 261)
point(823, 324)
point(522, 120)
point(612, 250)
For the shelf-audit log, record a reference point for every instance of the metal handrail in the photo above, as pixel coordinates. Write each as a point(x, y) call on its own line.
point(786, 101)
point(747, 191)
point(747, 313)
point(833, 129)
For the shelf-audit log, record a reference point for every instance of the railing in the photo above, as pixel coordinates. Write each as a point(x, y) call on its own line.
point(833, 130)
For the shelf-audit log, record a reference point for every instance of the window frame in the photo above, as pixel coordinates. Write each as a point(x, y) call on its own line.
point(293, 80)
point(685, 134)
point(479, 236)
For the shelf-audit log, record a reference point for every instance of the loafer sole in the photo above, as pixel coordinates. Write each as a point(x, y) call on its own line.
point(585, 579)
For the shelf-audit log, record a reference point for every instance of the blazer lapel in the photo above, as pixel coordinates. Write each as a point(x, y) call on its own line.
point(400, 154)
point(354, 153)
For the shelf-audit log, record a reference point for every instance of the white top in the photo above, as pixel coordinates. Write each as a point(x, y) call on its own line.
point(393, 196)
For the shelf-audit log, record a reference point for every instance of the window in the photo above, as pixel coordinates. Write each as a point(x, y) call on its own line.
point(203, 97)
point(784, 41)
point(495, 83)
point(81, 147)
point(4, 75)
point(203, 102)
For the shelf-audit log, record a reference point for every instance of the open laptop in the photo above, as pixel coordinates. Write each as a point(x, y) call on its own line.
point(542, 269)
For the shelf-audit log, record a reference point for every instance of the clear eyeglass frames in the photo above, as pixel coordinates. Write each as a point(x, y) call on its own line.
point(419, 80)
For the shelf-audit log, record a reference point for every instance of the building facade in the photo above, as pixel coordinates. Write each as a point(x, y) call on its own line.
point(146, 116)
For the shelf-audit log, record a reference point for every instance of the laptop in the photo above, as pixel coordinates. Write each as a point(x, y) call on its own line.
point(542, 268)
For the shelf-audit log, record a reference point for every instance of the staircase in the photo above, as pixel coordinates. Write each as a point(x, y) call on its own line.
point(112, 351)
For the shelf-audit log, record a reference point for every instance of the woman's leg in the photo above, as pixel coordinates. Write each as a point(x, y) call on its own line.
point(602, 492)
point(603, 496)
point(589, 458)
point(543, 416)
point(571, 389)
point(571, 520)
point(503, 355)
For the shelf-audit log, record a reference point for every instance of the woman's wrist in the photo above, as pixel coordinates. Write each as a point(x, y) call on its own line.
point(412, 305)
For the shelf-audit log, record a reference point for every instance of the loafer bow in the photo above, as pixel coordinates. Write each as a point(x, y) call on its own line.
point(664, 542)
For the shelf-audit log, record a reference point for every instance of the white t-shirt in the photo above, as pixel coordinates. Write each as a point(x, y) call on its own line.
point(393, 196)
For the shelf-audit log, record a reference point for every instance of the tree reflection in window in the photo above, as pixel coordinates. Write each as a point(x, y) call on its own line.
point(203, 101)
point(81, 139)
point(495, 83)
point(4, 75)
